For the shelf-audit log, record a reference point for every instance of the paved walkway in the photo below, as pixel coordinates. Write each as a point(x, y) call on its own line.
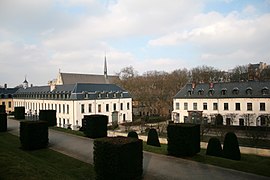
point(157, 167)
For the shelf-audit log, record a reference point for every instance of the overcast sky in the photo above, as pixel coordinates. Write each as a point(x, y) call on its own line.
point(37, 38)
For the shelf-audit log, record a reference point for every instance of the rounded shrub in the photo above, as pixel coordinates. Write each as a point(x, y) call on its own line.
point(133, 134)
point(231, 147)
point(152, 138)
point(214, 147)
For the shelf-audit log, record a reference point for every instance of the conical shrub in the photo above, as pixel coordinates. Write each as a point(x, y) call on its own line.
point(231, 147)
point(133, 134)
point(152, 138)
point(214, 147)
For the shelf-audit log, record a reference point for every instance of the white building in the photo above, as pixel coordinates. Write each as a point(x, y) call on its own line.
point(239, 103)
point(73, 101)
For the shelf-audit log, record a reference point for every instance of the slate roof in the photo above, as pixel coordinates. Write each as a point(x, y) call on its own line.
point(72, 78)
point(7, 92)
point(250, 89)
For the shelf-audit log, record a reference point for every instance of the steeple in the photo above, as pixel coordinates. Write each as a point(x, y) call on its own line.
point(105, 68)
point(25, 83)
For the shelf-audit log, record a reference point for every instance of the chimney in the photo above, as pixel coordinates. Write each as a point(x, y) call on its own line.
point(193, 85)
point(5, 86)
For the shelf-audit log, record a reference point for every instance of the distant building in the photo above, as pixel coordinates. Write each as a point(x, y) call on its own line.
point(6, 97)
point(73, 101)
point(239, 103)
point(255, 71)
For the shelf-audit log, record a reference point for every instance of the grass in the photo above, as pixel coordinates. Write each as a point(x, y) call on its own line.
point(39, 164)
point(249, 163)
point(78, 133)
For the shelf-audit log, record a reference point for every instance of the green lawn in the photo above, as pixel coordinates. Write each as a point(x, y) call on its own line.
point(39, 164)
point(249, 163)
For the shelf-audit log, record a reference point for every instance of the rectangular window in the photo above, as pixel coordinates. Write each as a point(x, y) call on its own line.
point(89, 108)
point(82, 108)
point(9, 104)
point(185, 106)
point(59, 108)
point(215, 106)
point(64, 109)
point(67, 109)
point(107, 108)
point(195, 106)
point(237, 107)
point(114, 106)
point(121, 106)
point(55, 106)
point(226, 106)
point(99, 108)
point(177, 106)
point(262, 106)
point(249, 106)
point(204, 106)
point(127, 106)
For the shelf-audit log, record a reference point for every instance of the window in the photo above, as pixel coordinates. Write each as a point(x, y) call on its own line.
point(107, 108)
point(114, 106)
point(9, 104)
point(99, 108)
point(82, 108)
point(211, 92)
point(201, 92)
point(55, 107)
point(249, 106)
point(223, 91)
point(3, 103)
point(235, 91)
point(89, 108)
point(59, 108)
point(67, 109)
point(177, 106)
point(127, 106)
point(64, 109)
point(262, 106)
point(121, 106)
point(189, 92)
point(226, 106)
point(237, 107)
point(204, 106)
point(185, 106)
point(241, 122)
point(249, 91)
point(265, 91)
point(215, 106)
point(195, 106)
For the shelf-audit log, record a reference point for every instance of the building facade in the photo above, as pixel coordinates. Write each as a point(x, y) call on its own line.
point(6, 98)
point(239, 103)
point(73, 101)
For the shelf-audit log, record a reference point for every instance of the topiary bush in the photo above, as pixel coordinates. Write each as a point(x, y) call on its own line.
point(33, 135)
point(19, 112)
point(183, 139)
point(2, 109)
point(49, 116)
point(95, 126)
point(214, 147)
point(152, 138)
point(231, 147)
point(118, 158)
point(133, 134)
point(3, 122)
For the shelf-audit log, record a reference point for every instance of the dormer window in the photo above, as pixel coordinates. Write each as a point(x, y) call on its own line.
point(235, 91)
point(265, 91)
point(99, 95)
point(224, 91)
point(107, 95)
point(114, 95)
point(211, 92)
point(200, 92)
point(189, 92)
point(249, 91)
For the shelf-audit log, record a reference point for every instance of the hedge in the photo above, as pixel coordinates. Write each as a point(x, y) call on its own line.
point(183, 139)
point(118, 158)
point(214, 147)
point(231, 147)
point(95, 126)
point(133, 134)
point(152, 138)
point(33, 135)
point(49, 116)
point(19, 112)
point(3, 122)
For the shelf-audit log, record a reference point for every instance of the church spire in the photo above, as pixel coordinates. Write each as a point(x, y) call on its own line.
point(105, 68)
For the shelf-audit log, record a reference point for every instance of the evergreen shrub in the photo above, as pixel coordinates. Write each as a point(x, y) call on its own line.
point(95, 126)
point(118, 158)
point(2, 109)
point(3, 122)
point(49, 116)
point(183, 139)
point(231, 147)
point(19, 112)
point(214, 147)
point(133, 134)
point(152, 138)
point(33, 135)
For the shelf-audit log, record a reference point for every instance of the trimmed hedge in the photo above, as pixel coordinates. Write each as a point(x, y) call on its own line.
point(49, 116)
point(133, 134)
point(19, 112)
point(183, 139)
point(33, 135)
point(95, 126)
point(2, 109)
point(152, 138)
point(118, 158)
point(3, 122)
point(214, 147)
point(231, 147)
